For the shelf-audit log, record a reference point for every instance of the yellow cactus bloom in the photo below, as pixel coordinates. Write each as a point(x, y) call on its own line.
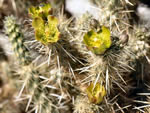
point(96, 94)
point(46, 32)
point(41, 11)
point(98, 41)
point(44, 24)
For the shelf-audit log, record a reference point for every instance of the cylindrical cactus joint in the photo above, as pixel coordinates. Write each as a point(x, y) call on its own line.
point(13, 30)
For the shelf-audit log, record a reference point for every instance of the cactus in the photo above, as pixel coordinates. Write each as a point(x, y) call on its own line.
point(16, 38)
point(82, 105)
point(35, 90)
point(79, 65)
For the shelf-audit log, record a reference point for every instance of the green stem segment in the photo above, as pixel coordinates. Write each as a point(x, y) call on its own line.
point(16, 37)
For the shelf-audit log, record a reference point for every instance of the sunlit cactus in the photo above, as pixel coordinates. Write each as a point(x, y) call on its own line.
point(77, 65)
point(36, 92)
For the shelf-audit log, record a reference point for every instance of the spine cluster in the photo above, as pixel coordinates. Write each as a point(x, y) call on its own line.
point(32, 88)
point(82, 65)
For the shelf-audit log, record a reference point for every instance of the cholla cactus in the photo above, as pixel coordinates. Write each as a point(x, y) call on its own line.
point(35, 91)
point(82, 105)
point(118, 61)
point(103, 53)
point(16, 38)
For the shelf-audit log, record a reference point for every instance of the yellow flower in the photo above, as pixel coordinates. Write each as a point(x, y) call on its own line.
point(44, 24)
point(46, 32)
point(96, 94)
point(98, 41)
point(41, 11)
